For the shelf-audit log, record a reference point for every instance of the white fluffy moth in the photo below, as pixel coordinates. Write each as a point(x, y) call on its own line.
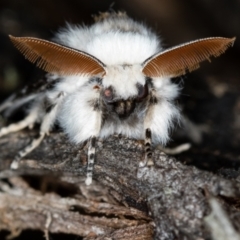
point(110, 78)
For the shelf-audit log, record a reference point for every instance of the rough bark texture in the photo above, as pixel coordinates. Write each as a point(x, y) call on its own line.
point(166, 201)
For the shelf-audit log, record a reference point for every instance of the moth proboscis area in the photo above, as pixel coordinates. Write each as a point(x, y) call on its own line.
point(112, 77)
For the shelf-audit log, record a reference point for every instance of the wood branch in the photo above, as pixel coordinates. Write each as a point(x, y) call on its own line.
point(48, 193)
point(32, 210)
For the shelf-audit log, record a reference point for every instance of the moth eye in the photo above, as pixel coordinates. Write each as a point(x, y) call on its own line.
point(142, 91)
point(108, 94)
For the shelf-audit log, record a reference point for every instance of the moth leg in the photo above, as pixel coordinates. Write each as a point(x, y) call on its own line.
point(47, 122)
point(148, 149)
point(92, 141)
point(28, 121)
point(152, 101)
point(176, 150)
point(88, 121)
point(91, 158)
point(159, 119)
point(26, 150)
point(92, 152)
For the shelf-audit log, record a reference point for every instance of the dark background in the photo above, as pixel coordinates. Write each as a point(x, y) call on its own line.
point(176, 21)
point(210, 97)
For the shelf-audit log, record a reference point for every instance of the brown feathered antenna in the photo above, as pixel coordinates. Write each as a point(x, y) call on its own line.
point(58, 59)
point(176, 61)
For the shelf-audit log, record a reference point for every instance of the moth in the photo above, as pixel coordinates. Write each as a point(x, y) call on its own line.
point(113, 77)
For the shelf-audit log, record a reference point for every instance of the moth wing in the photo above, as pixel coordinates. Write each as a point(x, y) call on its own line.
point(26, 95)
point(178, 60)
point(58, 59)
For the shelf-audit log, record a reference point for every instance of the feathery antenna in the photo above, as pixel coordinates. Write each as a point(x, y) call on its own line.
point(58, 59)
point(176, 61)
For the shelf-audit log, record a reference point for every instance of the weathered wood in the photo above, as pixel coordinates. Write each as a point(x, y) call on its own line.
point(166, 200)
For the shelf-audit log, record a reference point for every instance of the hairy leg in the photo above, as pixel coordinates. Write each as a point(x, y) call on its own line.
point(47, 122)
point(91, 158)
point(27, 121)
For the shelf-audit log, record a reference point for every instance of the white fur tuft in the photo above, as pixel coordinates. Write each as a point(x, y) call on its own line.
point(112, 41)
point(77, 117)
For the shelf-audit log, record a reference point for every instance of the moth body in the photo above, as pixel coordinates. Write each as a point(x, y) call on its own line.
point(110, 78)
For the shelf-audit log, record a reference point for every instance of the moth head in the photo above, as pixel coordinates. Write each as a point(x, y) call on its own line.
point(124, 87)
point(183, 58)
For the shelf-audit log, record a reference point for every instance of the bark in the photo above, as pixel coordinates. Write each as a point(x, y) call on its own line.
point(169, 200)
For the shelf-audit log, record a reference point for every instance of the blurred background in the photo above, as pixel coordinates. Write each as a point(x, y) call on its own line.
point(175, 21)
point(210, 98)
